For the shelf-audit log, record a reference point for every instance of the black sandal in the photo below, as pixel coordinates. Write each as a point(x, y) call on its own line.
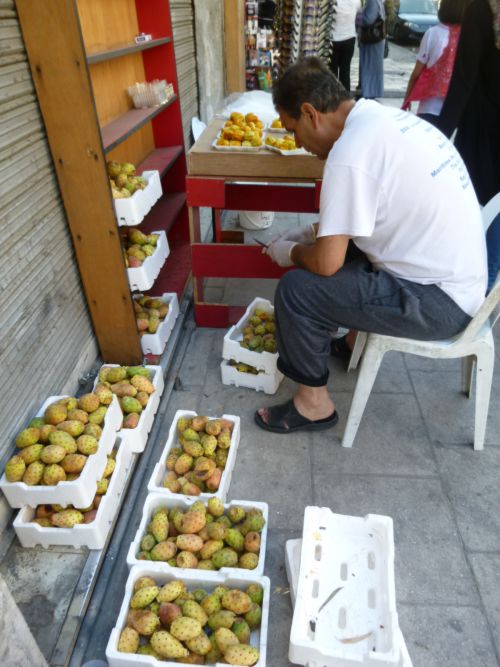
point(285, 418)
point(340, 349)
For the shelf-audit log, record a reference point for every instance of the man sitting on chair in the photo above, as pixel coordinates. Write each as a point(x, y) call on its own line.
point(399, 248)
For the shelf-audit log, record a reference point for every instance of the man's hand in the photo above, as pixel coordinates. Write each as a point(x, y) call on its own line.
point(303, 235)
point(279, 251)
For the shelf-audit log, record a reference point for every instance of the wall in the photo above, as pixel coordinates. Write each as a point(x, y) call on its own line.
point(209, 29)
point(46, 340)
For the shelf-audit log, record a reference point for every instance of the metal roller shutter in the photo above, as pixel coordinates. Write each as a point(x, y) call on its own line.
point(185, 58)
point(46, 337)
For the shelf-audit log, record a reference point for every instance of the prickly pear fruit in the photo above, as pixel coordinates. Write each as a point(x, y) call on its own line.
point(36, 422)
point(255, 593)
point(73, 463)
point(193, 609)
point(213, 427)
point(236, 513)
point(193, 448)
point(183, 464)
point(213, 481)
point(163, 551)
point(114, 374)
point(186, 559)
point(93, 429)
point(72, 426)
point(142, 383)
point(189, 542)
point(190, 489)
point(242, 630)
point(224, 440)
point(138, 370)
point(248, 561)
point(87, 445)
point(145, 622)
point(198, 423)
point(88, 402)
point(224, 638)
point(45, 432)
point(143, 597)
point(67, 518)
point(191, 434)
point(31, 453)
point(253, 523)
point(192, 522)
point(102, 486)
point(97, 417)
point(183, 423)
point(147, 649)
point(110, 467)
point(78, 415)
point(209, 443)
point(131, 420)
point(234, 539)
point(55, 414)
point(211, 604)
point(159, 526)
point(184, 627)
point(225, 558)
point(147, 543)
point(53, 474)
point(167, 646)
point(63, 439)
point(33, 473)
point(200, 645)
point(236, 601)
point(123, 389)
point(143, 582)
point(242, 654)
point(29, 436)
point(171, 591)
point(252, 542)
point(129, 641)
point(52, 454)
point(215, 507)
point(221, 619)
point(253, 616)
point(104, 393)
point(143, 399)
point(168, 612)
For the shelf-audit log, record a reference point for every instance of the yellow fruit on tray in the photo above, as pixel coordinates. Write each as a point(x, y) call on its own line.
point(276, 123)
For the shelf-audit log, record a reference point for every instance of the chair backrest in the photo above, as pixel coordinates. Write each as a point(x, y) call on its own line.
point(490, 211)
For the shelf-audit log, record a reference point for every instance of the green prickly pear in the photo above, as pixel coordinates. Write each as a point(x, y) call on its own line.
point(242, 654)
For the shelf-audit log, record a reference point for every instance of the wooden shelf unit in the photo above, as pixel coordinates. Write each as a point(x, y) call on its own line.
point(83, 57)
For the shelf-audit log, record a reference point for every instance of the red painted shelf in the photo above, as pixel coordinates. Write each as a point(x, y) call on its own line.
point(175, 272)
point(164, 213)
point(161, 159)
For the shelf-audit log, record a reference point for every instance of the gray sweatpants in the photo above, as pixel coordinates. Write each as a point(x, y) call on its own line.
point(309, 306)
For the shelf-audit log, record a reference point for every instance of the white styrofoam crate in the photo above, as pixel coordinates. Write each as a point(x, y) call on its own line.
point(155, 343)
point(136, 438)
point(231, 348)
point(131, 211)
point(160, 469)
point(359, 625)
point(266, 382)
point(156, 500)
point(81, 490)
point(91, 535)
point(293, 550)
point(143, 277)
point(193, 579)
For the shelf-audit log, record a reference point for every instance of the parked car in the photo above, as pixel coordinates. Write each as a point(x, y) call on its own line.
point(412, 19)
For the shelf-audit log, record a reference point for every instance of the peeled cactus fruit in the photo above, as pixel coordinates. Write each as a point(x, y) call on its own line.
point(167, 646)
point(242, 654)
point(129, 641)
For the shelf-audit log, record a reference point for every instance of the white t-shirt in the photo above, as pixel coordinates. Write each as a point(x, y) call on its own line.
point(343, 19)
point(431, 48)
point(400, 190)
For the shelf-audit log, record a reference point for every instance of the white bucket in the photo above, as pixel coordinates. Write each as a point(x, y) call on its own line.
point(256, 219)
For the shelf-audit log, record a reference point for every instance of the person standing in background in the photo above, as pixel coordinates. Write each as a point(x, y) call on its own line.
point(472, 107)
point(371, 56)
point(343, 39)
point(431, 75)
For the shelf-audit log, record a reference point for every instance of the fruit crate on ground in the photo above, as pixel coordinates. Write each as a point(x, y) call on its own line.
point(155, 343)
point(79, 491)
point(231, 348)
point(92, 535)
point(293, 550)
point(345, 611)
point(143, 277)
point(135, 439)
point(160, 471)
point(156, 501)
point(266, 382)
point(131, 211)
point(194, 580)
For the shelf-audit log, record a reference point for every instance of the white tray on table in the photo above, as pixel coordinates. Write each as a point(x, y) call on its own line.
point(160, 469)
point(79, 491)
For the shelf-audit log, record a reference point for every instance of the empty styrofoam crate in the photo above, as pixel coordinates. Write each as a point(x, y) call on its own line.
point(91, 535)
point(266, 382)
point(136, 438)
point(155, 484)
point(345, 610)
point(156, 500)
point(193, 579)
point(155, 343)
point(293, 550)
point(79, 491)
point(231, 348)
point(143, 277)
point(131, 211)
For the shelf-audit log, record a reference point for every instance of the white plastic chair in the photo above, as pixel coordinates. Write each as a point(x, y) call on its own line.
point(475, 341)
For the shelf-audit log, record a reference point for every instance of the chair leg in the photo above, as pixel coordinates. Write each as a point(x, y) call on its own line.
point(484, 379)
point(467, 374)
point(357, 350)
point(369, 368)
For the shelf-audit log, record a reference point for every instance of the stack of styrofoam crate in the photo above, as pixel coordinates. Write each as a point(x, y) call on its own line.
point(341, 577)
point(92, 535)
point(269, 377)
point(194, 579)
point(155, 343)
point(137, 437)
point(155, 484)
point(131, 211)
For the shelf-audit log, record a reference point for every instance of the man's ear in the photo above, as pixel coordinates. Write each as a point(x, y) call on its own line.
point(311, 113)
